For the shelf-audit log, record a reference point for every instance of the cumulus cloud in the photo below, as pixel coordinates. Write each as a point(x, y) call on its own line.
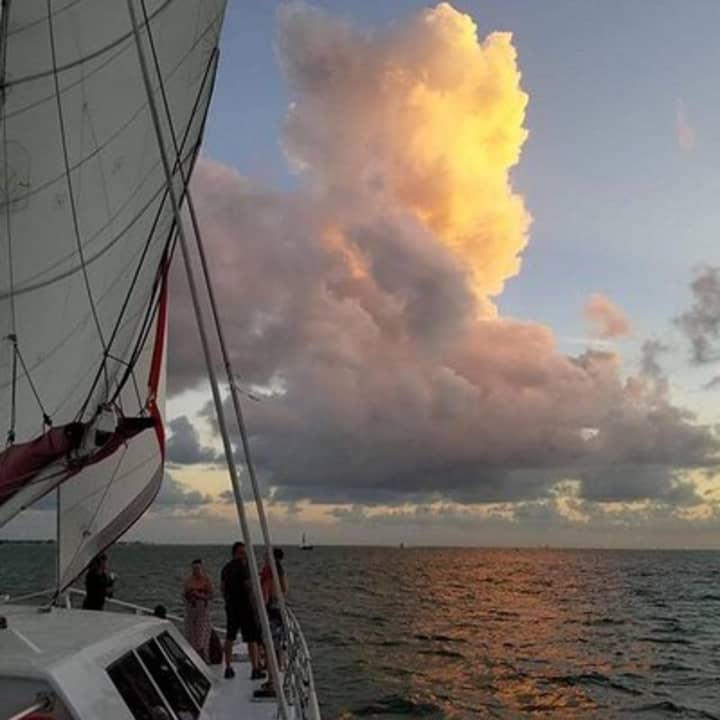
point(701, 323)
point(606, 318)
point(423, 118)
point(183, 445)
point(362, 304)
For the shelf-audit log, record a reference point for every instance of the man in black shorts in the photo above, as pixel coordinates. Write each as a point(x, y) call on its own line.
point(240, 611)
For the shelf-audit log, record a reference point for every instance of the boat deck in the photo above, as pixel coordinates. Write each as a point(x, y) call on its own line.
point(234, 698)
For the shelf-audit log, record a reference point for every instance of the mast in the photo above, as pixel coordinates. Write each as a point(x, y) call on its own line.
point(217, 323)
point(212, 377)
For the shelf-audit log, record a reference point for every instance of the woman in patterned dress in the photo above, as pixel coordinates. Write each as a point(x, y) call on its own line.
point(197, 592)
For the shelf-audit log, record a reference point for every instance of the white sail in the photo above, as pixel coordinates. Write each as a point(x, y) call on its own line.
point(85, 223)
point(102, 502)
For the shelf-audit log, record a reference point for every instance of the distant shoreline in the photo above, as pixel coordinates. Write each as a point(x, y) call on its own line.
point(387, 546)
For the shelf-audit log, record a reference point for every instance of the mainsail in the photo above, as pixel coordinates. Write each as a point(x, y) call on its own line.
point(86, 232)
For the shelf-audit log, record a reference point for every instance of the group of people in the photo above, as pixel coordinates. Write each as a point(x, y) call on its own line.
point(241, 614)
point(241, 611)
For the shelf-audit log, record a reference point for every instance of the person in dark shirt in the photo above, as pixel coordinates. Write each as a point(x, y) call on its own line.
point(240, 611)
point(98, 583)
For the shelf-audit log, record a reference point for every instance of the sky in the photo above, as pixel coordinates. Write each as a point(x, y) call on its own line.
point(466, 256)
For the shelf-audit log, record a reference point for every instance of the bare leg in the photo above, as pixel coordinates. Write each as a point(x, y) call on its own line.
point(253, 654)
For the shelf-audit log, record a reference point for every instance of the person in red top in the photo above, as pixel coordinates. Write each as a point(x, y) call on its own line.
point(274, 613)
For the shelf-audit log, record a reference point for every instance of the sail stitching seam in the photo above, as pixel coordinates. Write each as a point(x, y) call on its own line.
point(69, 66)
point(73, 207)
point(119, 131)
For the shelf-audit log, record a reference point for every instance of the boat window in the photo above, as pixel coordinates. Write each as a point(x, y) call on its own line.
point(135, 688)
point(168, 682)
point(196, 682)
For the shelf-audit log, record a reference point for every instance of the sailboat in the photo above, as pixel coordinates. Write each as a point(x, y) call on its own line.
point(304, 544)
point(102, 110)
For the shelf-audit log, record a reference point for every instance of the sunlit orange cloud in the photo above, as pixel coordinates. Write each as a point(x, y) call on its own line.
point(424, 117)
point(462, 117)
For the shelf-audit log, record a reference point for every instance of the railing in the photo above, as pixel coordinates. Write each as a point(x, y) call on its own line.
point(112, 602)
point(299, 683)
point(66, 601)
point(44, 703)
point(298, 680)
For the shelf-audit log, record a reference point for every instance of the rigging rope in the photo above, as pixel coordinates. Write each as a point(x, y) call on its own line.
point(11, 430)
point(17, 356)
point(46, 418)
point(4, 24)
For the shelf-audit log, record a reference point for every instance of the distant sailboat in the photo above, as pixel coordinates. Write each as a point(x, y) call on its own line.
point(304, 545)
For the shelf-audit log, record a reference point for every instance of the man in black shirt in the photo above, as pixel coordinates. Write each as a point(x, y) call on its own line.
point(240, 611)
point(98, 584)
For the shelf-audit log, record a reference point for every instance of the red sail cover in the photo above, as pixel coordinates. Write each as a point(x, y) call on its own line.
point(19, 464)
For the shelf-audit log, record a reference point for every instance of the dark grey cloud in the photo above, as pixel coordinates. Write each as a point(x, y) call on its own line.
point(226, 496)
point(183, 445)
point(650, 363)
point(175, 496)
point(631, 483)
point(701, 323)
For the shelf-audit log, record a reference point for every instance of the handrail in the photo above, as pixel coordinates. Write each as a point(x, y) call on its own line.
point(137, 609)
point(28, 596)
point(299, 679)
point(44, 702)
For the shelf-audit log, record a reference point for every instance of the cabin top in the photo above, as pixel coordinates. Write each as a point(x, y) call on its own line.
point(35, 641)
point(117, 667)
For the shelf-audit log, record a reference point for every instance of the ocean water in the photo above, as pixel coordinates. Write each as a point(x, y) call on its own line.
point(469, 633)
